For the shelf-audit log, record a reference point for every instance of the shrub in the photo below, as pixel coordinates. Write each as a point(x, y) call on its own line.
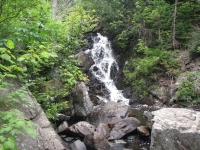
point(189, 88)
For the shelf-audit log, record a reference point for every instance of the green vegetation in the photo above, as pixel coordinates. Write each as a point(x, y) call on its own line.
point(189, 88)
point(32, 44)
point(38, 50)
point(148, 63)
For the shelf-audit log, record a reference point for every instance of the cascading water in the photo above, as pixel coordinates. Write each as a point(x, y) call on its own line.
point(104, 60)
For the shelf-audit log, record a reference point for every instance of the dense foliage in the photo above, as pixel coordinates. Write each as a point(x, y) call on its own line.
point(38, 50)
point(189, 88)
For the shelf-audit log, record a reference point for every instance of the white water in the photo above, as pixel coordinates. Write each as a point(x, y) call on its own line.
point(104, 60)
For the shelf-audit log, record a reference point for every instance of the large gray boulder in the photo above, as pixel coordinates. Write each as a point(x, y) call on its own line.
point(124, 127)
point(46, 137)
point(96, 141)
point(81, 104)
point(175, 129)
point(109, 111)
point(78, 145)
point(81, 129)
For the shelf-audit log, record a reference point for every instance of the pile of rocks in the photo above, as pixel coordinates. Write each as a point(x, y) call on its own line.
point(113, 121)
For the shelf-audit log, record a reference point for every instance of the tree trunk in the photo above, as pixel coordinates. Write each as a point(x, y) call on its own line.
point(55, 8)
point(174, 25)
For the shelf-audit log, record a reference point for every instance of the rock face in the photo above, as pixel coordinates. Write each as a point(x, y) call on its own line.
point(95, 141)
point(175, 129)
point(81, 103)
point(84, 61)
point(124, 127)
point(46, 137)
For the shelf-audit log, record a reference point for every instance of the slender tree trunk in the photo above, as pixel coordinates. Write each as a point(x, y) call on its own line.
point(174, 24)
point(55, 8)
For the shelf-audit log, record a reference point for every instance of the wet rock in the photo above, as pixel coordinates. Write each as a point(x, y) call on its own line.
point(124, 127)
point(175, 129)
point(84, 60)
point(81, 104)
point(103, 129)
point(81, 129)
point(95, 141)
point(108, 112)
point(143, 130)
point(62, 127)
point(78, 145)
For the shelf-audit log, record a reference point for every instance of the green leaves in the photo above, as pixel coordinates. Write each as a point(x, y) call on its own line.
point(10, 144)
point(20, 124)
point(47, 55)
point(7, 57)
point(10, 44)
point(188, 89)
point(12, 125)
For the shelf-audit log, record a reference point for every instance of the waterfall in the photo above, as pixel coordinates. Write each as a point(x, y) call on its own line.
point(105, 63)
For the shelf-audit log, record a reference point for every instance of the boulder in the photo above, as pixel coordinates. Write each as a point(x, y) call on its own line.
point(78, 145)
point(62, 127)
point(46, 137)
point(81, 129)
point(114, 121)
point(124, 127)
point(143, 130)
point(103, 129)
point(81, 104)
point(84, 60)
point(95, 141)
point(175, 129)
point(109, 111)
